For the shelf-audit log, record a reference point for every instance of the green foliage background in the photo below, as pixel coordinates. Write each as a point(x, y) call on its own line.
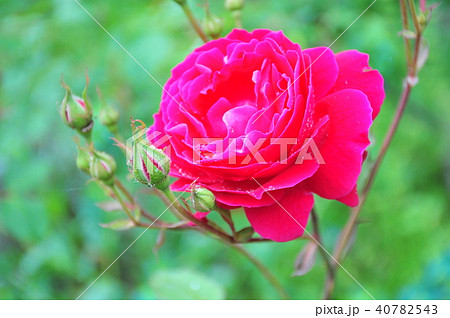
point(50, 243)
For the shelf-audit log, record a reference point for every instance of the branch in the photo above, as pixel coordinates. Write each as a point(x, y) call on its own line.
point(193, 21)
point(409, 83)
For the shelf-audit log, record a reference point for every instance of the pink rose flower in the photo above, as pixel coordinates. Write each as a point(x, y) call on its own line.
point(254, 109)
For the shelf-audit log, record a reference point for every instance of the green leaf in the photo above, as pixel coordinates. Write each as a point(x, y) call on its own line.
point(118, 225)
point(185, 284)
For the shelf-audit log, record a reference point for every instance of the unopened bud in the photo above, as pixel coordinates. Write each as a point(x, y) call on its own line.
point(202, 199)
point(233, 5)
point(422, 19)
point(151, 165)
point(84, 159)
point(76, 112)
point(212, 25)
point(103, 167)
point(109, 117)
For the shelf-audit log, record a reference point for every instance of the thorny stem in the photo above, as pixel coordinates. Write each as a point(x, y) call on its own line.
point(194, 22)
point(404, 97)
point(263, 269)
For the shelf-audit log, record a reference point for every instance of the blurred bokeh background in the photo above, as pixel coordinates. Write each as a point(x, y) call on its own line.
point(51, 246)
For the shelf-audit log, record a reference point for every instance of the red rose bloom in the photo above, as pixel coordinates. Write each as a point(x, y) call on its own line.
point(251, 108)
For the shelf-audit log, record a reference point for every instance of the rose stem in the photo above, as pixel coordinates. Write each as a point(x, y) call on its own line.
point(177, 208)
point(194, 21)
point(405, 23)
point(409, 83)
point(156, 223)
point(124, 206)
point(204, 227)
point(130, 198)
point(330, 270)
point(124, 190)
point(263, 269)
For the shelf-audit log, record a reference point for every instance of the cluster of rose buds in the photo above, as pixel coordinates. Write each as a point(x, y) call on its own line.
point(77, 113)
point(148, 164)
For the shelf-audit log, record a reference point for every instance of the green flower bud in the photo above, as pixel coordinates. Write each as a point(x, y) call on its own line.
point(151, 165)
point(233, 5)
point(103, 167)
point(212, 25)
point(202, 199)
point(84, 159)
point(422, 19)
point(109, 117)
point(76, 112)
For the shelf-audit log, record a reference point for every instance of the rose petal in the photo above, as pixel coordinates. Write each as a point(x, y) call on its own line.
point(355, 72)
point(324, 70)
point(284, 221)
point(351, 199)
point(347, 138)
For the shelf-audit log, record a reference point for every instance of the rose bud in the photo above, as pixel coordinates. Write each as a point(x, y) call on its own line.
point(84, 159)
point(103, 167)
point(212, 25)
point(202, 199)
point(233, 5)
point(151, 166)
point(109, 116)
point(76, 112)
